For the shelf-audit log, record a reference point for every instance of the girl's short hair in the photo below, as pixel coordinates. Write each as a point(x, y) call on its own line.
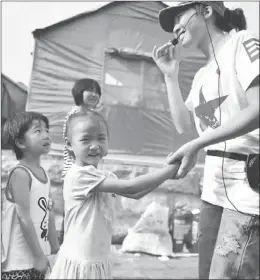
point(89, 115)
point(82, 85)
point(16, 126)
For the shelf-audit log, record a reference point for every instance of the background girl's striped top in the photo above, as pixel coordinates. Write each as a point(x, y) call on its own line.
point(68, 155)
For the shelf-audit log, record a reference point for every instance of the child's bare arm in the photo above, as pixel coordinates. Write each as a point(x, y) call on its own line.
point(146, 191)
point(21, 194)
point(138, 195)
point(139, 186)
point(52, 234)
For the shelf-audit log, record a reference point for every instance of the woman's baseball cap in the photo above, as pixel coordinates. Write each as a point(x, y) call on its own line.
point(167, 15)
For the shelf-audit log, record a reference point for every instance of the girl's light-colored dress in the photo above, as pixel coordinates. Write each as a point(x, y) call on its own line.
point(85, 252)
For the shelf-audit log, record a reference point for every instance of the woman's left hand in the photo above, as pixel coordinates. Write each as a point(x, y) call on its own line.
point(188, 155)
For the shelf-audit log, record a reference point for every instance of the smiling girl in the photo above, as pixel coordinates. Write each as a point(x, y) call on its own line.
point(88, 200)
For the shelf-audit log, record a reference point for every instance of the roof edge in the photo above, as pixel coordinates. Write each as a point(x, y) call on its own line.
point(37, 32)
point(130, 53)
point(13, 82)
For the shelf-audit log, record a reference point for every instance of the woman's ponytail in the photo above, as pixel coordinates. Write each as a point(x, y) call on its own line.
point(235, 18)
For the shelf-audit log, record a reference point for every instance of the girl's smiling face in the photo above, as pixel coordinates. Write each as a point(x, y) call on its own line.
point(90, 99)
point(89, 140)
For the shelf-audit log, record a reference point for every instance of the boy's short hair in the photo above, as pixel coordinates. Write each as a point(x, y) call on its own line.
point(16, 126)
point(84, 85)
point(89, 115)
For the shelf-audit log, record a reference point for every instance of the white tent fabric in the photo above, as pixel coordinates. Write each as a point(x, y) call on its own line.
point(112, 45)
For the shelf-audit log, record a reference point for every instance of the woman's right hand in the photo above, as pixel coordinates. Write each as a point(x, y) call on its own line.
point(167, 59)
point(41, 264)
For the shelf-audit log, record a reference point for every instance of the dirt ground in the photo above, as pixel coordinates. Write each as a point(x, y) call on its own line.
point(131, 266)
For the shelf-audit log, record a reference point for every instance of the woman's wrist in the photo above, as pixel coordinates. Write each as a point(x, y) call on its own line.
point(199, 143)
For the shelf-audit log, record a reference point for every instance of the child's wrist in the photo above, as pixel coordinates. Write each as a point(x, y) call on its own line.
point(169, 170)
point(39, 255)
point(54, 251)
point(173, 168)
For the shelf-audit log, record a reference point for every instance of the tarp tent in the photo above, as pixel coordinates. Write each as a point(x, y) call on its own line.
point(13, 97)
point(113, 45)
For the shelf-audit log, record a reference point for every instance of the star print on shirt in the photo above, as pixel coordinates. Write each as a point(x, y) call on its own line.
point(206, 109)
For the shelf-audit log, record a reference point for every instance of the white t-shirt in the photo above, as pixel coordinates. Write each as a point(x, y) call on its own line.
point(239, 66)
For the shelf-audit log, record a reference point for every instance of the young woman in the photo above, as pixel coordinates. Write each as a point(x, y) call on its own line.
point(224, 104)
